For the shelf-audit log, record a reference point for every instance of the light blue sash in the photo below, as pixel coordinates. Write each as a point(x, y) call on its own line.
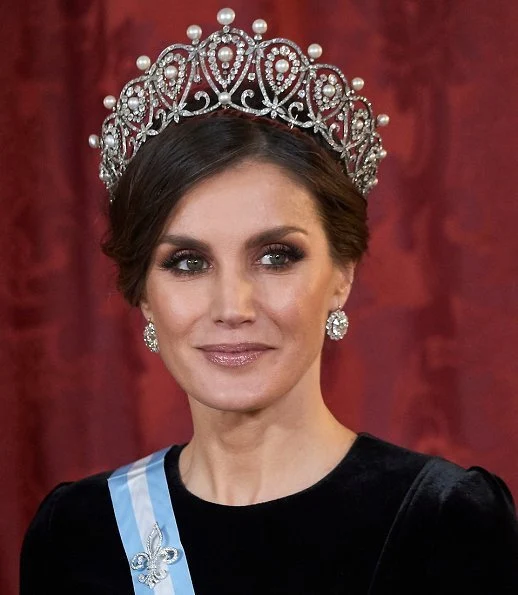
point(148, 529)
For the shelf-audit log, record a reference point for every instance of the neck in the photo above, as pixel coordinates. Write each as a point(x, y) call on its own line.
point(240, 458)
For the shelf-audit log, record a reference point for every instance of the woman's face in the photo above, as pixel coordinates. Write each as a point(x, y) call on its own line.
point(240, 287)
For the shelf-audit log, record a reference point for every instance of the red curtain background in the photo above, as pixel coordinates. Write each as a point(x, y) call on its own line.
point(430, 361)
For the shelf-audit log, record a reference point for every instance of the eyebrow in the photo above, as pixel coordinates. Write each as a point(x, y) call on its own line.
point(263, 237)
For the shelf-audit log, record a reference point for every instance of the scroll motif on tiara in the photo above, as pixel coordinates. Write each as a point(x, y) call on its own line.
point(154, 559)
point(226, 71)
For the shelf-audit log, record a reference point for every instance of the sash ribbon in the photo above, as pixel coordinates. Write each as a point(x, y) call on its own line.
point(148, 529)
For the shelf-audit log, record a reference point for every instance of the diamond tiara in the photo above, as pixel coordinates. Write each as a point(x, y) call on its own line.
point(231, 70)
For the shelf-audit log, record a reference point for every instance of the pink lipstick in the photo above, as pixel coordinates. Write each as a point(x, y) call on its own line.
point(233, 355)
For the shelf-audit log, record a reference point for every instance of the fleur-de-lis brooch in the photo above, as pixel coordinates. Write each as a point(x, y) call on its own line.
point(154, 559)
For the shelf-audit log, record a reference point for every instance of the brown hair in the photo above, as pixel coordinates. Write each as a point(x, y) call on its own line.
point(171, 163)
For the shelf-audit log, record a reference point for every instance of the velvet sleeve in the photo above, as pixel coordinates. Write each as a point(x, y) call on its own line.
point(73, 544)
point(39, 563)
point(475, 546)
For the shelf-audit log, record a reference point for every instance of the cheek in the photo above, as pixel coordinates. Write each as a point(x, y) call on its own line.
point(298, 306)
point(175, 307)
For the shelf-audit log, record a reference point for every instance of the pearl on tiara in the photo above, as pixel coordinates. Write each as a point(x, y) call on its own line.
point(143, 62)
point(383, 120)
point(329, 90)
point(109, 102)
point(225, 54)
point(259, 26)
point(224, 98)
point(109, 140)
point(171, 72)
point(194, 32)
point(226, 16)
point(225, 71)
point(282, 66)
point(315, 51)
point(357, 83)
point(133, 103)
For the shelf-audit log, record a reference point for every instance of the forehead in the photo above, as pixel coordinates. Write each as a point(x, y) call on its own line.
point(248, 197)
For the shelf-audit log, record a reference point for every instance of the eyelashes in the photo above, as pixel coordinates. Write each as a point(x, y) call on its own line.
point(275, 257)
point(185, 262)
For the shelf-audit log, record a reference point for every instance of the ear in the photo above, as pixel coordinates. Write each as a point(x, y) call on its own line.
point(146, 309)
point(342, 287)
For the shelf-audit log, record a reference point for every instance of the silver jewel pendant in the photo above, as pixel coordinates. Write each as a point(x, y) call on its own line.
point(155, 559)
point(337, 325)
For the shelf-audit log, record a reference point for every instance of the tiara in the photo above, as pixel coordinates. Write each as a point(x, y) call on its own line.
point(232, 70)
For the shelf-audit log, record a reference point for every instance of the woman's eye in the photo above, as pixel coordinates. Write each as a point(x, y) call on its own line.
point(281, 256)
point(184, 263)
point(192, 264)
point(274, 259)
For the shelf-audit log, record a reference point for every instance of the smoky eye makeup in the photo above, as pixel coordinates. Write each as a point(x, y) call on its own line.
point(280, 256)
point(275, 257)
point(184, 261)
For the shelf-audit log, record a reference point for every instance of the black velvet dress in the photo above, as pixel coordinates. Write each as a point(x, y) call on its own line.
point(385, 521)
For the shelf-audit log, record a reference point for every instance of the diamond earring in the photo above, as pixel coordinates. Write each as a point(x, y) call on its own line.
point(150, 338)
point(337, 325)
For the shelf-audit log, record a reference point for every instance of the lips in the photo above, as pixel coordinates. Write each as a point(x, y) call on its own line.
point(233, 355)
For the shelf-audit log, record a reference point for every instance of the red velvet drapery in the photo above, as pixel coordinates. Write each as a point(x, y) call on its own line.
point(430, 361)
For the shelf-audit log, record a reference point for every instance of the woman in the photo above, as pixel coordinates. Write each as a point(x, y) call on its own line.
point(237, 218)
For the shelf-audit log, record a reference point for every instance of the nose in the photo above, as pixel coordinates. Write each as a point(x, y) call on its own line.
point(232, 299)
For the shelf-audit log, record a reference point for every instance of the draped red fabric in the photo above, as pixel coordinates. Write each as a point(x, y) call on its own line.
point(430, 360)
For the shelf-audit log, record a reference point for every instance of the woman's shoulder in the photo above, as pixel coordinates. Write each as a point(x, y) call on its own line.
point(69, 506)
point(450, 480)
point(454, 498)
point(72, 521)
point(455, 529)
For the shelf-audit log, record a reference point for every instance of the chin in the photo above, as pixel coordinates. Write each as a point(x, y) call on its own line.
point(236, 397)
